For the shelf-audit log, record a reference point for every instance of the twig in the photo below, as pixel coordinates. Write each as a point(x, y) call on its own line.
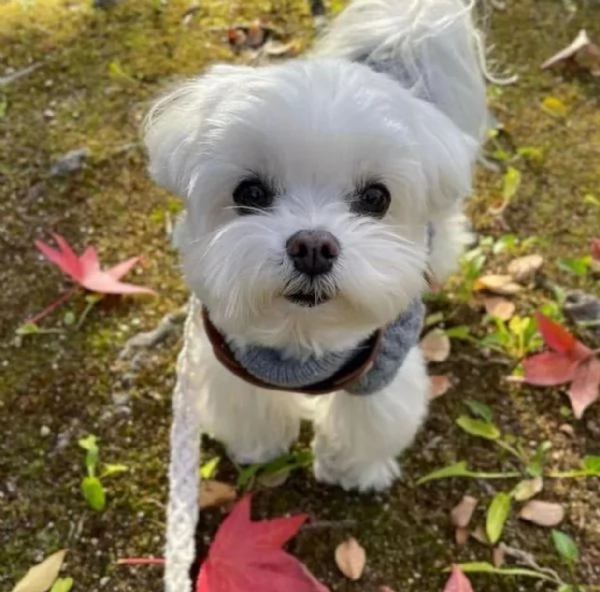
point(6, 80)
point(62, 299)
point(527, 559)
point(149, 339)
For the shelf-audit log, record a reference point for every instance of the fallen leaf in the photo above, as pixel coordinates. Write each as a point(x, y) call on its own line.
point(499, 307)
point(542, 513)
point(438, 385)
point(498, 284)
point(215, 494)
point(85, 269)
point(435, 346)
point(480, 535)
point(579, 45)
point(277, 49)
point(62, 585)
point(497, 515)
point(458, 581)
point(385, 589)
point(528, 488)
point(549, 369)
point(523, 268)
point(462, 513)
point(585, 388)
point(498, 557)
point(557, 338)
point(351, 559)
point(554, 106)
point(41, 576)
point(461, 535)
point(246, 556)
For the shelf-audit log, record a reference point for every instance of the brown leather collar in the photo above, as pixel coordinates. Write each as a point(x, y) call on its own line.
point(351, 371)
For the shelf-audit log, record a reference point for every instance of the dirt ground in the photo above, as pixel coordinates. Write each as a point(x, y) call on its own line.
point(97, 69)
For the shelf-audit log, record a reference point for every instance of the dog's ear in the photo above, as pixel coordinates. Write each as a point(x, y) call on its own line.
point(178, 121)
point(448, 157)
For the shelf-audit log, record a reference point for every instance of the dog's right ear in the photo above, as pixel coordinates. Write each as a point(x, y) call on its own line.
point(177, 122)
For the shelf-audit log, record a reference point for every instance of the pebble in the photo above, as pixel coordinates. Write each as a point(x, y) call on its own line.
point(44, 431)
point(103, 581)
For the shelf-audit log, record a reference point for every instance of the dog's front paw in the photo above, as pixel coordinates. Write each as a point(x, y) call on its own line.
point(257, 455)
point(375, 476)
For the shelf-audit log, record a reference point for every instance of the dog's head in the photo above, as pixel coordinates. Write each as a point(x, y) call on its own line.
point(308, 187)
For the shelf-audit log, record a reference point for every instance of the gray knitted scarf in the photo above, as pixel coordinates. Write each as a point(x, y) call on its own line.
point(271, 366)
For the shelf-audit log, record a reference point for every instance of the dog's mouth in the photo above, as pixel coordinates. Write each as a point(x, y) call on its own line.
point(307, 299)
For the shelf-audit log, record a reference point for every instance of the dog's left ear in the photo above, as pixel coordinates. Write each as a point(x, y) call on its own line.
point(177, 123)
point(448, 156)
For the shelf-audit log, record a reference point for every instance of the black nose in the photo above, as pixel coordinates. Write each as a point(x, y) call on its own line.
point(313, 251)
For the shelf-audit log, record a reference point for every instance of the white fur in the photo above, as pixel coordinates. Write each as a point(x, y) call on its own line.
point(316, 129)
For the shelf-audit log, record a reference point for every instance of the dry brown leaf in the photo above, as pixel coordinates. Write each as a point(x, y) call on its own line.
point(215, 494)
point(41, 576)
point(580, 45)
point(277, 49)
point(524, 268)
point(435, 346)
point(351, 559)
point(498, 557)
point(542, 513)
point(438, 385)
point(480, 535)
point(527, 488)
point(461, 535)
point(462, 513)
point(499, 307)
point(502, 284)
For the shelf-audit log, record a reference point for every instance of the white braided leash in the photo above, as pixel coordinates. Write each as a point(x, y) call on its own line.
point(183, 512)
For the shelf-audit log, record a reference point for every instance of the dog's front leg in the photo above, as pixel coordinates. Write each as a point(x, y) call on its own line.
point(357, 438)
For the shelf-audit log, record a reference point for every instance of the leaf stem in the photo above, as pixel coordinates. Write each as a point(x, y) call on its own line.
point(52, 306)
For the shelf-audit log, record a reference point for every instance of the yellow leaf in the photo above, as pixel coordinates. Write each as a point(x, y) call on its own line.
point(41, 576)
point(554, 106)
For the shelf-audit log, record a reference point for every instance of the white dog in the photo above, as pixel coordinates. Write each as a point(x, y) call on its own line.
point(317, 195)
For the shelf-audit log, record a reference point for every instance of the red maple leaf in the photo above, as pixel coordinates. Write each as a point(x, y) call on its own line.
point(85, 269)
point(569, 361)
point(246, 556)
point(458, 581)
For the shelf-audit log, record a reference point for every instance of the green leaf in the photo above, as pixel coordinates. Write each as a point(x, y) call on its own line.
point(113, 470)
point(283, 464)
point(69, 318)
point(457, 470)
point(506, 242)
point(246, 475)
point(527, 488)
point(478, 427)
point(480, 409)
point(536, 467)
point(28, 329)
point(89, 443)
point(565, 546)
point(577, 267)
point(497, 515)
point(62, 585)
point(591, 199)
point(510, 183)
point(209, 468)
point(530, 153)
point(94, 494)
point(459, 332)
point(518, 325)
point(566, 588)
point(592, 464)
point(484, 567)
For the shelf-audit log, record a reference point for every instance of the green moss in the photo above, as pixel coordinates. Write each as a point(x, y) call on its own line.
point(67, 383)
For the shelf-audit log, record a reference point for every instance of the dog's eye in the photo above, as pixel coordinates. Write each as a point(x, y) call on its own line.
point(373, 200)
point(251, 195)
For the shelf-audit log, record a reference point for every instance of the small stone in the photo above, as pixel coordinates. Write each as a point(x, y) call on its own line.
point(71, 162)
point(44, 431)
point(104, 581)
point(49, 113)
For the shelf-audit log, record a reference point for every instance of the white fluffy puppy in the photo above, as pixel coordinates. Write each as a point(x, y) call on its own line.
point(317, 194)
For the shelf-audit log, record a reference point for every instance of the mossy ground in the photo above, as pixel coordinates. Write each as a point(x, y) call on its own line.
point(57, 388)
